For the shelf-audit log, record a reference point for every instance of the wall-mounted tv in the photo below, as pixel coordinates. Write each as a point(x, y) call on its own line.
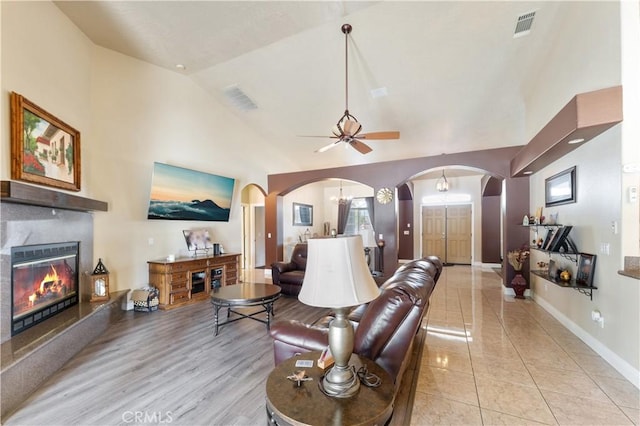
point(183, 194)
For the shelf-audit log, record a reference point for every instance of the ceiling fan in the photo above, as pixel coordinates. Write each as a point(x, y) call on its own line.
point(347, 130)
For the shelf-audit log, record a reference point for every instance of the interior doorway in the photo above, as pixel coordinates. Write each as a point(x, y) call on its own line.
point(446, 232)
point(253, 228)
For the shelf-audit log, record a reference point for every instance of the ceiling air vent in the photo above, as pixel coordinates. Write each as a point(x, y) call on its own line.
point(523, 26)
point(238, 99)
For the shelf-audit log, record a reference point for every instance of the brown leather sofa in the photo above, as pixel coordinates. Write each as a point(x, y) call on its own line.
point(290, 275)
point(384, 328)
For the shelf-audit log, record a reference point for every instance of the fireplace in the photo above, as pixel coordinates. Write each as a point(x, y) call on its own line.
point(44, 282)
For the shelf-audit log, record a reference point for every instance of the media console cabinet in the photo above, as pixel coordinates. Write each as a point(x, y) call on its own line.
point(189, 279)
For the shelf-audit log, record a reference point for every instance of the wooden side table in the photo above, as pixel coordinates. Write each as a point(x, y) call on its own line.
point(290, 404)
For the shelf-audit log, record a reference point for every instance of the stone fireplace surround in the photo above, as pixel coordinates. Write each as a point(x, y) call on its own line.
point(31, 357)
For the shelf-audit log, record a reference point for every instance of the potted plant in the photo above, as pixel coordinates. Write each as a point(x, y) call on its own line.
point(517, 259)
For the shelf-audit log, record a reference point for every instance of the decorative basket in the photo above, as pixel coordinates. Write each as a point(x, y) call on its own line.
point(145, 300)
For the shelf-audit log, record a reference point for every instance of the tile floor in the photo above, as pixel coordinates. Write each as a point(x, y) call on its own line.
point(491, 359)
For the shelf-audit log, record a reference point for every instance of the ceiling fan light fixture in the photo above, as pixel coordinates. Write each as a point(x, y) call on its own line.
point(347, 129)
point(442, 185)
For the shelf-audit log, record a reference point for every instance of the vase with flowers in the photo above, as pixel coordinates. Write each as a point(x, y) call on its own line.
point(517, 259)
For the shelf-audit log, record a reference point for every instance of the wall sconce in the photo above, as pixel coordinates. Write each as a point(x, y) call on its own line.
point(443, 184)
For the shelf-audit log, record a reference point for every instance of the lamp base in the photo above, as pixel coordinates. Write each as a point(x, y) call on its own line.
point(340, 382)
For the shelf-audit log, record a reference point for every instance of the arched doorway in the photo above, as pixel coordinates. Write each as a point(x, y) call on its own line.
point(456, 224)
point(253, 227)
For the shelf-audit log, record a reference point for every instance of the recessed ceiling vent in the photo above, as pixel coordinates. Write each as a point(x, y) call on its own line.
point(523, 26)
point(238, 99)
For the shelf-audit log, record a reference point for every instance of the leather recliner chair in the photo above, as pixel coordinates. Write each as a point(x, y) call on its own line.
point(290, 275)
point(384, 328)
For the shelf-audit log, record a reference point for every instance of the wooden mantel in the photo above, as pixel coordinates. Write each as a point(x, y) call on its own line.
point(20, 193)
point(586, 116)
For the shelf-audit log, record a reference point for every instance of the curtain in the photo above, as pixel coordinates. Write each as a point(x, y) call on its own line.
point(343, 215)
point(369, 201)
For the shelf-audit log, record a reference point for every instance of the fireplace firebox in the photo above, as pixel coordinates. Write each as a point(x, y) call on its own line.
point(44, 282)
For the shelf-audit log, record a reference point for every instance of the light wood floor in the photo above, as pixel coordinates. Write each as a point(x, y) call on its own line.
point(165, 365)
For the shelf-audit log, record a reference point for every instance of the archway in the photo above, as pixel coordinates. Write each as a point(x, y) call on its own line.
point(393, 173)
point(322, 197)
point(252, 201)
point(462, 225)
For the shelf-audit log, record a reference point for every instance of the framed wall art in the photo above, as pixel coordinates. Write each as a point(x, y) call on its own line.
point(586, 269)
point(44, 149)
point(178, 193)
point(302, 214)
point(560, 188)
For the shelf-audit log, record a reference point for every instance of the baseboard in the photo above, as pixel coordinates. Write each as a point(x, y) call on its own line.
point(622, 366)
point(487, 265)
point(508, 291)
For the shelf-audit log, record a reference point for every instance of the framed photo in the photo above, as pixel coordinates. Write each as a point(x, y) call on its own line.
point(44, 149)
point(302, 214)
point(197, 239)
point(560, 188)
point(586, 268)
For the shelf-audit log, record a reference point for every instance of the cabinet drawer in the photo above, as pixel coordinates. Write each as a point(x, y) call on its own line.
point(179, 286)
point(178, 267)
point(178, 276)
point(178, 297)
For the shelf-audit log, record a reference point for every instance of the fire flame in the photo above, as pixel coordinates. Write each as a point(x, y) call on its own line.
point(51, 276)
point(50, 282)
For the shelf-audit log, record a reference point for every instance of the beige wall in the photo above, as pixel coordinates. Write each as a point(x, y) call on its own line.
point(130, 114)
point(590, 60)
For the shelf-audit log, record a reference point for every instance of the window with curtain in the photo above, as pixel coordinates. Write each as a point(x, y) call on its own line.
point(360, 216)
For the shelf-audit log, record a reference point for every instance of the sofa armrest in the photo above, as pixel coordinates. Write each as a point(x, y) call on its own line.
point(284, 266)
point(278, 268)
point(294, 337)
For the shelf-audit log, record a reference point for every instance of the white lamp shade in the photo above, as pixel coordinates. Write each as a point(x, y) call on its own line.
point(337, 274)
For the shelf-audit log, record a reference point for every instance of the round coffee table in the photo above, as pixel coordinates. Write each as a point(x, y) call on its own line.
point(244, 295)
point(290, 404)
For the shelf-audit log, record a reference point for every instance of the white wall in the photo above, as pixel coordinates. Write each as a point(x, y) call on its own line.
point(587, 57)
point(319, 195)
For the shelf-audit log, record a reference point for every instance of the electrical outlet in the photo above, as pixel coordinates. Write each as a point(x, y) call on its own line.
point(151, 241)
point(596, 316)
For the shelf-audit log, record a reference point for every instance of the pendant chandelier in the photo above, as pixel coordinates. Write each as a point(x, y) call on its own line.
point(341, 199)
point(443, 184)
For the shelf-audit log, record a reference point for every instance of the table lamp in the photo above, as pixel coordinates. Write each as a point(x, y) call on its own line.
point(338, 277)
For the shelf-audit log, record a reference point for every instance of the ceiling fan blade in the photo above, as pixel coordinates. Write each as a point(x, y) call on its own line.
point(328, 147)
point(315, 136)
point(361, 147)
point(380, 135)
point(351, 127)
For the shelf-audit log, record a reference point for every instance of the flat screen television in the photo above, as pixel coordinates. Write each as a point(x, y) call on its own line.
point(183, 194)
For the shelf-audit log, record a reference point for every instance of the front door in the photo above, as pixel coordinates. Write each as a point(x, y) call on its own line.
point(434, 231)
point(446, 233)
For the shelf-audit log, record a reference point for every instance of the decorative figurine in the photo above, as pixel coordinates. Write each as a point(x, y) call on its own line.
point(299, 376)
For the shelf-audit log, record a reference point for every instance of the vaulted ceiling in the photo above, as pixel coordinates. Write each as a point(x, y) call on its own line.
point(450, 76)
